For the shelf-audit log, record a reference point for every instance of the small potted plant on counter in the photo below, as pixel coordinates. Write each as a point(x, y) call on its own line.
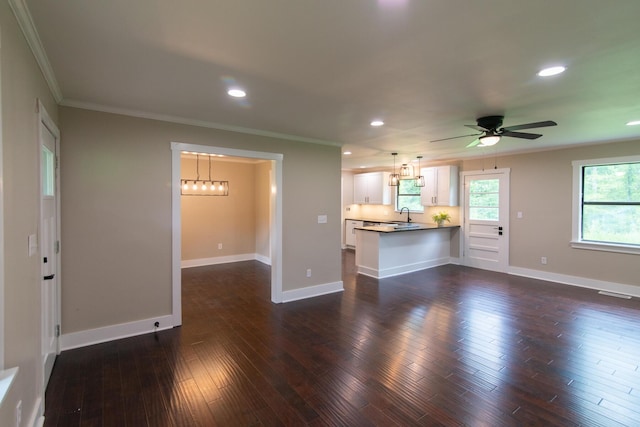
point(441, 217)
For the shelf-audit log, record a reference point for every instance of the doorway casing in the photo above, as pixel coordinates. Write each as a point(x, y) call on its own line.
point(275, 227)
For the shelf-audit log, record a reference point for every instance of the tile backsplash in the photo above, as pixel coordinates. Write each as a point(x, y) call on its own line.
point(388, 213)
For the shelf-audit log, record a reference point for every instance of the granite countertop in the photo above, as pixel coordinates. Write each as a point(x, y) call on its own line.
point(402, 226)
point(382, 221)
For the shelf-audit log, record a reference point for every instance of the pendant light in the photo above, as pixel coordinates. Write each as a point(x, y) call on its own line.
point(203, 187)
point(419, 179)
point(406, 171)
point(394, 178)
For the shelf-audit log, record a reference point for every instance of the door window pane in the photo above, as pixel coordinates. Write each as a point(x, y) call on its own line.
point(48, 172)
point(484, 199)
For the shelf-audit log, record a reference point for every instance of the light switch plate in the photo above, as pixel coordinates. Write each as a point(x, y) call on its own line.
point(322, 219)
point(33, 244)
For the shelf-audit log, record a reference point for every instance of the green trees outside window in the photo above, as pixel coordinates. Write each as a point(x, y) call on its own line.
point(409, 196)
point(611, 203)
point(484, 200)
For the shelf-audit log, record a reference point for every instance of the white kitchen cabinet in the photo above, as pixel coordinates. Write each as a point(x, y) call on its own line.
point(350, 232)
point(371, 188)
point(441, 186)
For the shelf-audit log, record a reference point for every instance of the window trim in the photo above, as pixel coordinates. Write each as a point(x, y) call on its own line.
point(576, 216)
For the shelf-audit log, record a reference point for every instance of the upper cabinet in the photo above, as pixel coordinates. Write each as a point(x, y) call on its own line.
point(441, 186)
point(371, 188)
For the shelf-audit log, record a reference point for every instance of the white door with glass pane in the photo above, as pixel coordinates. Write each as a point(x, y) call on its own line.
point(486, 219)
point(49, 249)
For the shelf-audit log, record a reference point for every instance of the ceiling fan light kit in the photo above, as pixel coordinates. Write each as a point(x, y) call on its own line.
point(489, 140)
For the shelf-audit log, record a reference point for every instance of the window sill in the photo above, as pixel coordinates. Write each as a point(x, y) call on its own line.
point(6, 379)
point(606, 247)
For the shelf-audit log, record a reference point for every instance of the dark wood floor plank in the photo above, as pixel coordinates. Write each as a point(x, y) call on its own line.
point(447, 346)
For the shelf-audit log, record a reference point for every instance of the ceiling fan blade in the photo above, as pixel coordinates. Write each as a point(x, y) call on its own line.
point(531, 125)
point(520, 134)
point(454, 137)
point(480, 128)
point(473, 143)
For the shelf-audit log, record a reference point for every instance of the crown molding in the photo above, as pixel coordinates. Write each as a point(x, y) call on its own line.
point(193, 122)
point(23, 16)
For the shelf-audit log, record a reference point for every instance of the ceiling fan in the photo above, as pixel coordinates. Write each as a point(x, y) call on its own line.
point(491, 131)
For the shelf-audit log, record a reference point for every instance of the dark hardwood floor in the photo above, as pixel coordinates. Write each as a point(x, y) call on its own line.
point(446, 346)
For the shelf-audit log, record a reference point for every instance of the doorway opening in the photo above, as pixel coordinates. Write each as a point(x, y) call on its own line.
point(274, 206)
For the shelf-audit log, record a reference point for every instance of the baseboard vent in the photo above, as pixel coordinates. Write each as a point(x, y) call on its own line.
point(613, 294)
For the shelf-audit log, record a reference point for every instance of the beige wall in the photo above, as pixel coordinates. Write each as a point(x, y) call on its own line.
point(116, 213)
point(22, 83)
point(210, 220)
point(541, 188)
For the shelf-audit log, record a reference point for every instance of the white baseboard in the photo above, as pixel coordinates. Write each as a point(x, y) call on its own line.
point(403, 269)
point(199, 262)
point(582, 282)
point(187, 263)
point(36, 418)
point(114, 332)
point(312, 291)
point(263, 259)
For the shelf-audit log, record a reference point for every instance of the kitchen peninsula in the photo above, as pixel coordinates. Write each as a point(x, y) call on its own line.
point(389, 250)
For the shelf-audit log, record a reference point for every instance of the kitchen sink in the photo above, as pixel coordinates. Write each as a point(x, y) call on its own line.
point(405, 225)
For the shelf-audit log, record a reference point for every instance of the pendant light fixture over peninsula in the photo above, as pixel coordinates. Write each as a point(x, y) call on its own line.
point(394, 178)
point(406, 171)
point(419, 179)
point(202, 187)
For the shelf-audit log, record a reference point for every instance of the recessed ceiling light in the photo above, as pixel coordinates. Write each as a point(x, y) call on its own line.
point(362, 167)
point(633, 123)
point(551, 71)
point(237, 93)
point(377, 123)
point(347, 153)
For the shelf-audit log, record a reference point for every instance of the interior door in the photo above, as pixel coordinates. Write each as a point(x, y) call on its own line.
point(486, 219)
point(49, 248)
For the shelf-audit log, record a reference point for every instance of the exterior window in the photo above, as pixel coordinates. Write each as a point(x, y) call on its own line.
point(607, 204)
point(408, 195)
point(484, 200)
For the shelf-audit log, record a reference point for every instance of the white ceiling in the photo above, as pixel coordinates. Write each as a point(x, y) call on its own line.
point(320, 71)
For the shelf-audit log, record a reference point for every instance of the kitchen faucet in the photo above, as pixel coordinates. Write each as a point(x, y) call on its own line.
point(408, 217)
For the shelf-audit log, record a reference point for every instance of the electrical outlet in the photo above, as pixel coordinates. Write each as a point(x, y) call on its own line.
point(543, 260)
point(308, 272)
point(219, 245)
point(19, 413)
